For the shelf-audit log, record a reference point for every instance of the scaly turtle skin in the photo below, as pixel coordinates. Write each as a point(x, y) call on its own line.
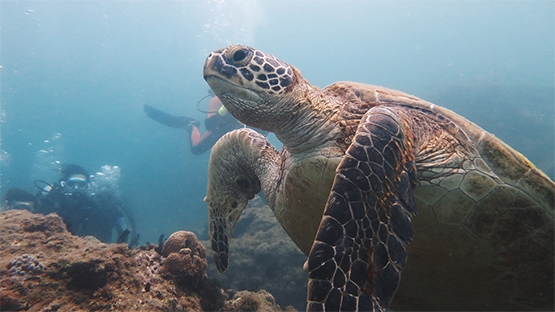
point(358, 161)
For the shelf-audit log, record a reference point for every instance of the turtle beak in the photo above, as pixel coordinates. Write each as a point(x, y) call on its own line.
point(225, 79)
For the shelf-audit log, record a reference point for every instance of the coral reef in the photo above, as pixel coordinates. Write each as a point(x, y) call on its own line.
point(264, 257)
point(183, 240)
point(25, 264)
point(261, 301)
point(45, 268)
point(184, 258)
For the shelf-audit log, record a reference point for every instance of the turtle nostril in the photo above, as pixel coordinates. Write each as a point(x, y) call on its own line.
point(240, 55)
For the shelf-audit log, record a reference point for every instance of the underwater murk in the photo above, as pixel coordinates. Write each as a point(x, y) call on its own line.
point(75, 76)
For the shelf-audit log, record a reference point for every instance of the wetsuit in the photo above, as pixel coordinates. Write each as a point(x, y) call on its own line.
point(83, 214)
point(218, 122)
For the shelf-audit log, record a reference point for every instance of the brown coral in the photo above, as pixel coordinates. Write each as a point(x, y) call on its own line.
point(43, 267)
point(183, 239)
point(184, 259)
point(250, 301)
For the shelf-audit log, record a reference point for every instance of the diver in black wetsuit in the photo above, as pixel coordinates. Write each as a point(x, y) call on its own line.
point(218, 122)
point(84, 214)
point(17, 198)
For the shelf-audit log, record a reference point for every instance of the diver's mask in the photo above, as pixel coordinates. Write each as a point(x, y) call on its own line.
point(19, 205)
point(75, 183)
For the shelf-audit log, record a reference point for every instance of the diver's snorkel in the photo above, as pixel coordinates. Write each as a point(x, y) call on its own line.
point(211, 95)
point(45, 189)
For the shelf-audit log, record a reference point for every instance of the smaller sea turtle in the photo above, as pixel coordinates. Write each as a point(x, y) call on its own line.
point(358, 162)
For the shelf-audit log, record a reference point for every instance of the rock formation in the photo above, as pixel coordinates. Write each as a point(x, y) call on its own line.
point(43, 267)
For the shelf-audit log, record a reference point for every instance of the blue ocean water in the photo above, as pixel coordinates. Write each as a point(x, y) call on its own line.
point(75, 75)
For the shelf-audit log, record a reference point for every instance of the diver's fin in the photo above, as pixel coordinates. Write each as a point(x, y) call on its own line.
point(123, 236)
point(161, 241)
point(167, 119)
point(134, 241)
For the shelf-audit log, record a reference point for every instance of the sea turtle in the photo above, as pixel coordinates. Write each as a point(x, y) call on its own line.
point(358, 161)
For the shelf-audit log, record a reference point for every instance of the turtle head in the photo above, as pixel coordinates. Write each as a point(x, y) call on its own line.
point(251, 84)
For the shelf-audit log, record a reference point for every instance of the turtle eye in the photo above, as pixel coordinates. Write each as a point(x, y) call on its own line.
point(240, 55)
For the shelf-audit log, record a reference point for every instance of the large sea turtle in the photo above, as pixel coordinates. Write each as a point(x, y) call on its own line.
point(357, 164)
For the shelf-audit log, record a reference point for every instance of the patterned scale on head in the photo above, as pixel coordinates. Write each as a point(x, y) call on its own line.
point(263, 70)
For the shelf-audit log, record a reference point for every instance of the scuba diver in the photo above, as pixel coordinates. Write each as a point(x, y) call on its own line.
point(218, 122)
point(17, 198)
point(84, 212)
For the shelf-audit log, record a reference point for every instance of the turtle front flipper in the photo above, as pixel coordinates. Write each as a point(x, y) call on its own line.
point(360, 248)
point(237, 161)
